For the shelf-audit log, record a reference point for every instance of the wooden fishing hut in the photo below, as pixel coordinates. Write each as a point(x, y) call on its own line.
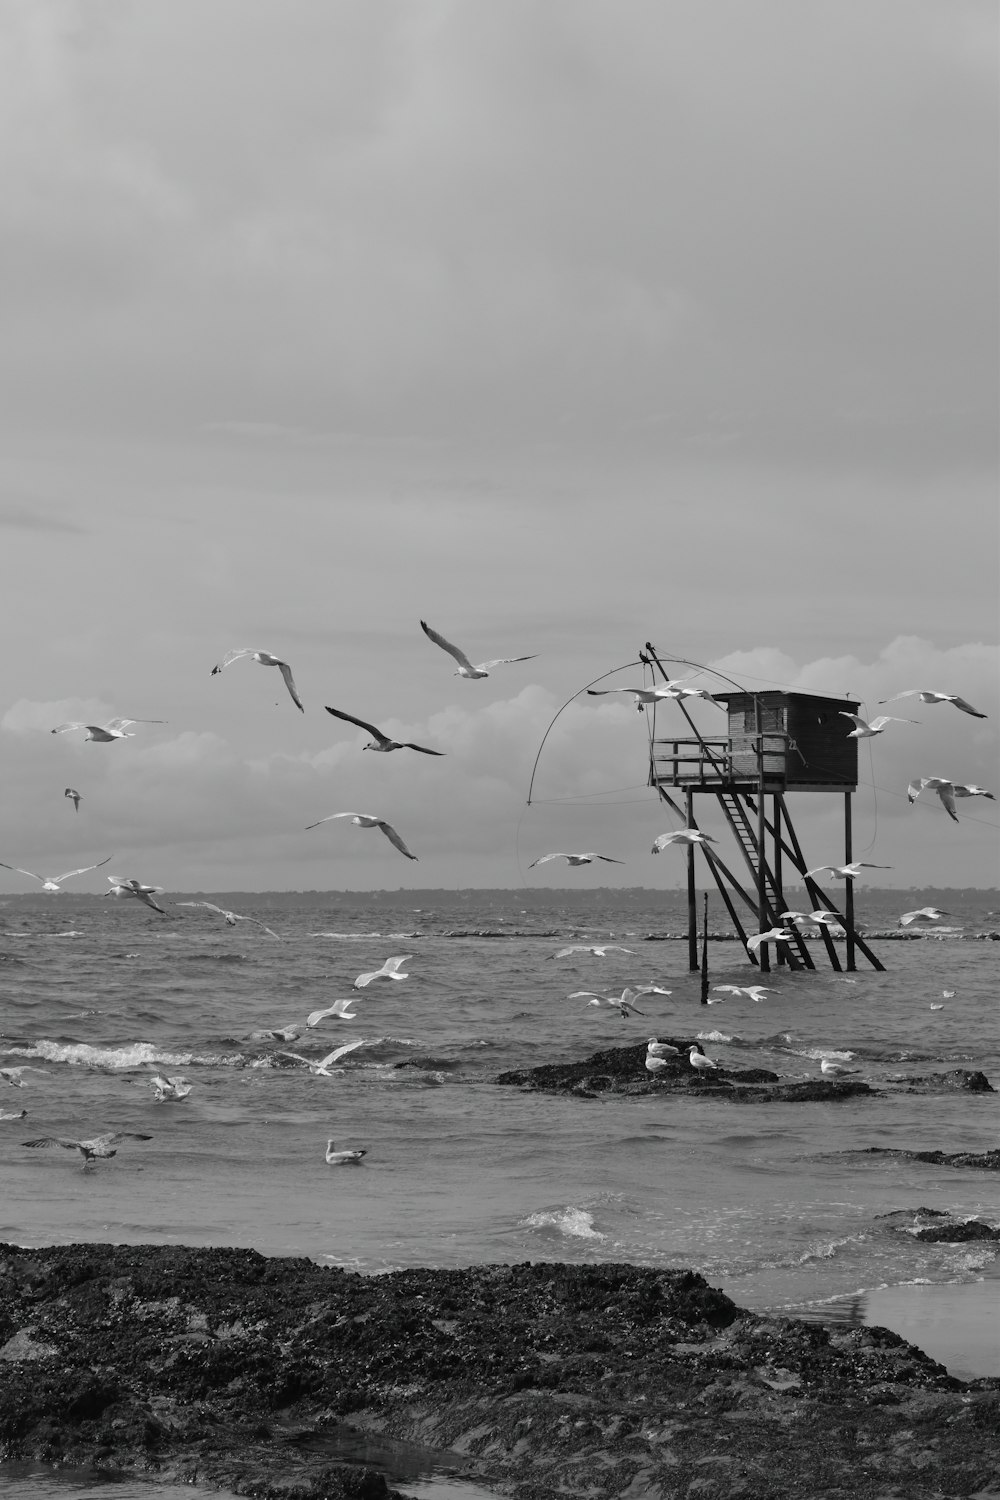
point(776, 743)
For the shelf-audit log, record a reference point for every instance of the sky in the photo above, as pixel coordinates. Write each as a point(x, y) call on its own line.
point(564, 327)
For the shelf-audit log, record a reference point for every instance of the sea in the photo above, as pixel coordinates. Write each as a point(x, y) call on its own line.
point(782, 1206)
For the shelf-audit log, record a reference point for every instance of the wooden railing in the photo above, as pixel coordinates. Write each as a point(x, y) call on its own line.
point(713, 763)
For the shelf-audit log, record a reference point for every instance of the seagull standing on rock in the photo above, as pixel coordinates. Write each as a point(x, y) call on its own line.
point(700, 1062)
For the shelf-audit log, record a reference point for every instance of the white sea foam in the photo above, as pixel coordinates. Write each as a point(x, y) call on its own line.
point(576, 1223)
point(713, 1036)
point(133, 1055)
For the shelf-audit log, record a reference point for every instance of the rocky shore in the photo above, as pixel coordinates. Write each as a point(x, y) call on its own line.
point(275, 1377)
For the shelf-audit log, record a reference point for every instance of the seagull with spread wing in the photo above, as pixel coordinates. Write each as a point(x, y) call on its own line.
point(922, 914)
point(54, 882)
point(847, 872)
point(114, 729)
point(322, 1068)
point(877, 726)
point(266, 660)
point(772, 935)
point(72, 792)
point(666, 691)
point(368, 820)
point(599, 949)
point(575, 859)
point(101, 1146)
point(380, 742)
point(681, 836)
point(926, 696)
point(340, 1008)
point(391, 969)
point(231, 917)
point(131, 887)
point(466, 668)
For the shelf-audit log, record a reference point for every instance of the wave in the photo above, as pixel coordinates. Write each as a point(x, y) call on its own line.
point(116, 1059)
point(575, 1223)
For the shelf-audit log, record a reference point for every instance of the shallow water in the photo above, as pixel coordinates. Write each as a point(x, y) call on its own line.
point(775, 1204)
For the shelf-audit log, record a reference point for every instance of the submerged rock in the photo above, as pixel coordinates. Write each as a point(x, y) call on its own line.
point(281, 1378)
point(985, 1161)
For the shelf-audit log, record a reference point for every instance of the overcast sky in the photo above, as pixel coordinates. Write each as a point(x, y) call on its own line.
point(562, 325)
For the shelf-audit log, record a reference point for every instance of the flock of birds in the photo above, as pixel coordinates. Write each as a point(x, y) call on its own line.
point(658, 1054)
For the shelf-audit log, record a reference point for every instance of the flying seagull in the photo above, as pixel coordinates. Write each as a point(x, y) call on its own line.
point(466, 668)
point(600, 949)
point(114, 729)
point(143, 893)
point(266, 660)
point(622, 1003)
point(71, 792)
point(922, 914)
point(53, 882)
point(772, 935)
point(321, 1069)
point(926, 696)
point(368, 820)
point(877, 726)
point(381, 741)
point(389, 970)
point(847, 872)
point(755, 991)
point(575, 859)
point(681, 836)
point(99, 1145)
point(232, 917)
point(669, 690)
point(337, 1158)
point(340, 1008)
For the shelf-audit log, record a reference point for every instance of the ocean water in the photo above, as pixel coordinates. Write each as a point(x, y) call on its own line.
point(775, 1204)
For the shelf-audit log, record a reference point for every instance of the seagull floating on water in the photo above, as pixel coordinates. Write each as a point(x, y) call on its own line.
point(72, 792)
point(144, 893)
point(922, 914)
point(600, 949)
point(114, 729)
point(337, 1158)
point(53, 882)
point(232, 917)
point(389, 970)
point(13, 1075)
point(20, 1114)
point(681, 836)
point(368, 820)
point(847, 872)
point(575, 859)
point(169, 1088)
point(380, 741)
point(466, 668)
point(877, 725)
point(101, 1146)
point(927, 696)
point(266, 660)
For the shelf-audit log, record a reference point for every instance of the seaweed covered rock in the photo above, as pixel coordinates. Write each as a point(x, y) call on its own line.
point(276, 1377)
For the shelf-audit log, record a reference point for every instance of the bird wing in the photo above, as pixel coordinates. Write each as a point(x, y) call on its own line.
point(331, 816)
point(339, 1051)
point(53, 1140)
point(112, 1138)
point(607, 859)
point(18, 869)
point(544, 859)
point(207, 904)
point(119, 724)
point(286, 673)
point(377, 734)
point(947, 794)
point(230, 657)
point(820, 869)
point(502, 661)
point(394, 838)
point(966, 708)
point(297, 1056)
point(881, 719)
point(391, 965)
point(854, 717)
point(424, 749)
point(906, 693)
point(62, 728)
point(455, 651)
point(100, 862)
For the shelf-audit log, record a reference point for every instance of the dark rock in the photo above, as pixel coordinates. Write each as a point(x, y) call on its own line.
point(957, 1234)
point(959, 1079)
point(223, 1368)
point(985, 1161)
